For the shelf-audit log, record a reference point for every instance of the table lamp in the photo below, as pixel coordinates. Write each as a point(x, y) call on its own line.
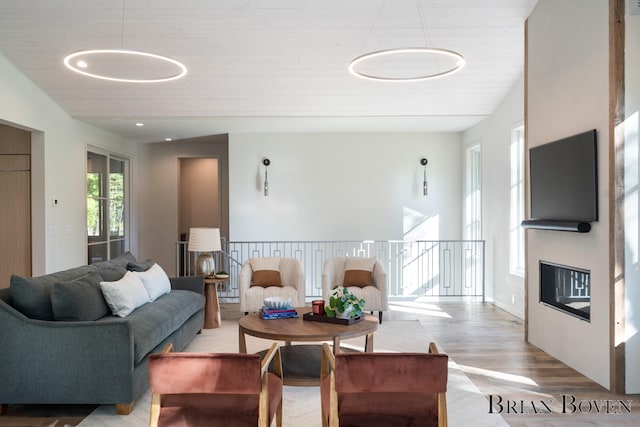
point(205, 241)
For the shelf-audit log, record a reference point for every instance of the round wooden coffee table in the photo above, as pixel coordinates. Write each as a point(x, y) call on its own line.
point(301, 363)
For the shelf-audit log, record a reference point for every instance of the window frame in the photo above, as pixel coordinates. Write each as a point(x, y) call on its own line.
point(105, 205)
point(516, 201)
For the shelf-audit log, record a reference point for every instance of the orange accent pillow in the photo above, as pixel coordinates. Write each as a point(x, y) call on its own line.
point(266, 271)
point(357, 278)
point(266, 278)
point(359, 271)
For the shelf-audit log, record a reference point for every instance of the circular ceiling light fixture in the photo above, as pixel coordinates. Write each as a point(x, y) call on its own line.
point(127, 66)
point(383, 71)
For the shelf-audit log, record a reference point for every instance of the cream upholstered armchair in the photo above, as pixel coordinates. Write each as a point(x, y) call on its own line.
point(365, 278)
point(270, 277)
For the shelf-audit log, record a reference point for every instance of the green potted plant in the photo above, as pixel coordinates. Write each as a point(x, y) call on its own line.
point(221, 275)
point(344, 304)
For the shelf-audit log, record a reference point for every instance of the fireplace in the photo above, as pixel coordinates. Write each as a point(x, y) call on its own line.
point(567, 289)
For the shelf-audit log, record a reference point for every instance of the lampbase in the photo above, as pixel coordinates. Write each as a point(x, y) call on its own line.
point(205, 265)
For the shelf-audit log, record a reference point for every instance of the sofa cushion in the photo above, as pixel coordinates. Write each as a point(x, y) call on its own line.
point(152, 323)
point(80, 299)
point(155, 281)
point(32, 295)
point(125, 295)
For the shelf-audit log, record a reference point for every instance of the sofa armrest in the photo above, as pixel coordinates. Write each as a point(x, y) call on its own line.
point(43, 353)
point(188, 283)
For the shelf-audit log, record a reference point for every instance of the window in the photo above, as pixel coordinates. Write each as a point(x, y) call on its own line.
point(107, 205)
point(473, 194)
point(516, 232)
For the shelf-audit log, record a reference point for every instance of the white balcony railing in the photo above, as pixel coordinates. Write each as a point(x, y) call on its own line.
point(439, 268)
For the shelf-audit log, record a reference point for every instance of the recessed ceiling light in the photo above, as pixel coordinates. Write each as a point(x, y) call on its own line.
point(168, 139)
point(175, 71)
point(82, 64)
point(139, 124)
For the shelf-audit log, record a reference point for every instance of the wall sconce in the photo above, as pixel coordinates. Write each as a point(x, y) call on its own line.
point(266, 162)
point(424, 162)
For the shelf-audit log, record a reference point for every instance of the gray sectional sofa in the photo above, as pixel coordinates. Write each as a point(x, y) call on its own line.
point(102, 361)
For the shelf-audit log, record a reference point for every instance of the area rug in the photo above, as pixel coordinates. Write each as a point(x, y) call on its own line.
point(301, 407)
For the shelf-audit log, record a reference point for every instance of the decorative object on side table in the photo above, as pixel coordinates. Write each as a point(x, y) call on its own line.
point(344, 304)
point(221, 275)
point(205, 241)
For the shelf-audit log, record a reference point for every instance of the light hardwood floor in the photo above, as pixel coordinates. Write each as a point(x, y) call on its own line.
point(487, 343)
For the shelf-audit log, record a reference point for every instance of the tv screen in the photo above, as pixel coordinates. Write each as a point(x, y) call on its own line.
point(564, 179)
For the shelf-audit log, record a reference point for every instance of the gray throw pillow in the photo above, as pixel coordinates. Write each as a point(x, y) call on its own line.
point(140, 266)
point(112, 274)
point(80, 299)
point(32, 295)
point(31, 298)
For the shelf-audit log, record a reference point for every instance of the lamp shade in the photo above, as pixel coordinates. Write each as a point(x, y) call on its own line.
point(204, 239)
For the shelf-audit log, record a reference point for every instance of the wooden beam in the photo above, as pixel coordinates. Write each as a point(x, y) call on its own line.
point(616, 196)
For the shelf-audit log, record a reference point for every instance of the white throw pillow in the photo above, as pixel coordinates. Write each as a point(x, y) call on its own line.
point(155, 281)
point(124, 295)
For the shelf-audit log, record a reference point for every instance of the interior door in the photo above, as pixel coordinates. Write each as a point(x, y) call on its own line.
point(15, 209)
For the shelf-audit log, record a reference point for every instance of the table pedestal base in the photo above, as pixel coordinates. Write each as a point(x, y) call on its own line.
point(301, 364)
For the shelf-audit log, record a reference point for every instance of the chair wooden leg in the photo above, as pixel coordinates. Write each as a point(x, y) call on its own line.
point(124, 408)
point(380, 317)
point(279, 415)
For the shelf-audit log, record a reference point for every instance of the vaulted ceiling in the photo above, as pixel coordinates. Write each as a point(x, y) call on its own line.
point(269, 65)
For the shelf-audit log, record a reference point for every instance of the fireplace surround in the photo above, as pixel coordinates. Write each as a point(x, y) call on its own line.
point(567, 289)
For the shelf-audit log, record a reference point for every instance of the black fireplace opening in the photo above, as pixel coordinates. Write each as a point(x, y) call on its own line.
point(567, 289)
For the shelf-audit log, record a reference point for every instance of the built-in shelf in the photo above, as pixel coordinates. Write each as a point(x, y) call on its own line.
point(544, 224)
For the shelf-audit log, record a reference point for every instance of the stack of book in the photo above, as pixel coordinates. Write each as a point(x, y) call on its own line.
point(277, 313)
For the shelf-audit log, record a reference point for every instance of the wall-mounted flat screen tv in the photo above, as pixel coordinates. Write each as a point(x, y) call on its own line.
point(564, 179)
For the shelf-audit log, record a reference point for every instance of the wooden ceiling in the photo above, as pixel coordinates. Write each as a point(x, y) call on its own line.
point(269, 65)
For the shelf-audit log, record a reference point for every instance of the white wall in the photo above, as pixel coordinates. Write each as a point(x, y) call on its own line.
point(59, 164)
point(567, 94)
point(632, 208)
point(495, 135)
point(344, 186)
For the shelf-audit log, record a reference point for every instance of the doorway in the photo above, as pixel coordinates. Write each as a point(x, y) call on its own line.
point(199, 195)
